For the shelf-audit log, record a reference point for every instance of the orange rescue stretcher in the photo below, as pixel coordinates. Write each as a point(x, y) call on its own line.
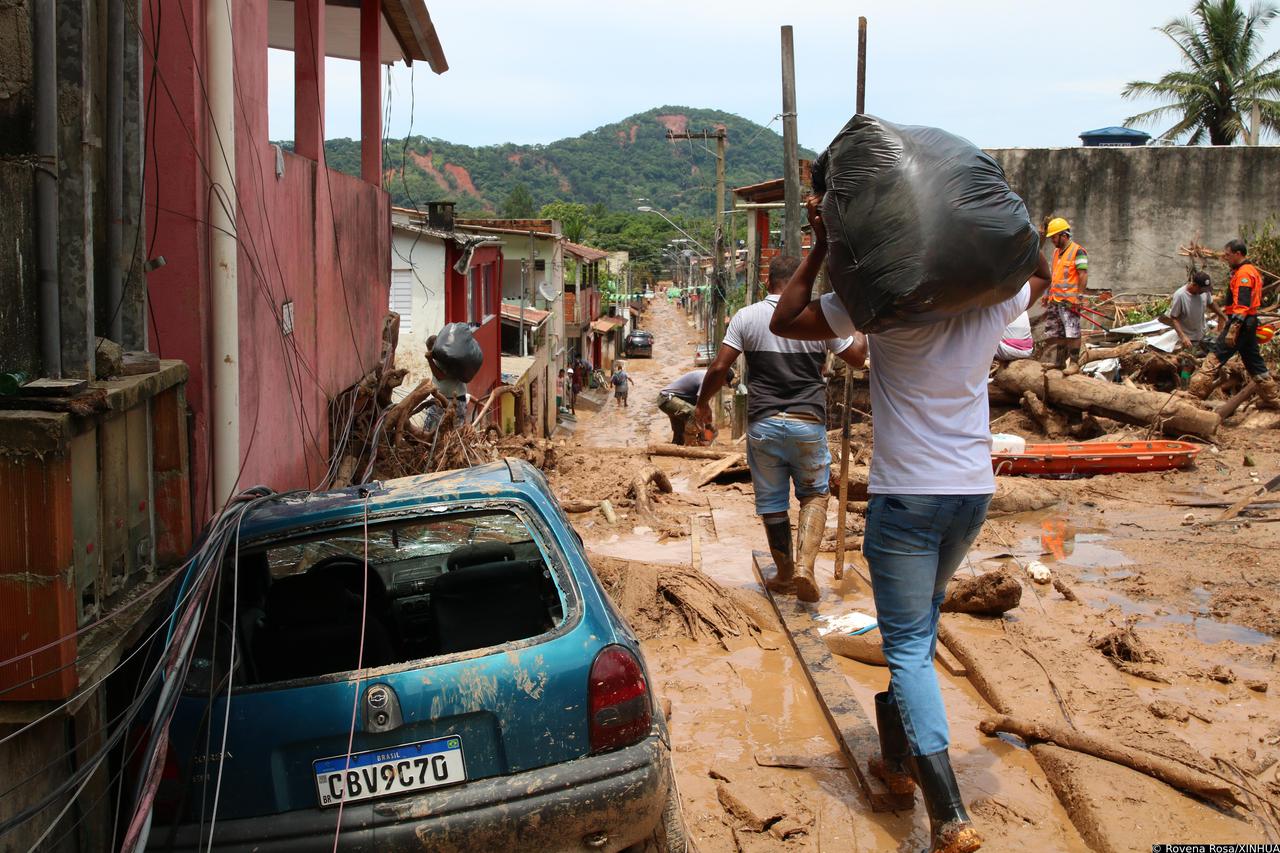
point(1121, 457)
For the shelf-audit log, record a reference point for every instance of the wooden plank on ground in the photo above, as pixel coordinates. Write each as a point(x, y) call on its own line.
point(854, 731)
point(715, 469)
point(695, 544)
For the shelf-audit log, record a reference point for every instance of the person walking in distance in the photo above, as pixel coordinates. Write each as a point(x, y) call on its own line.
point(621, 383)
point(931, 482)
point(786, 425)
point(1062, 303)
point(1244, 297)
point(678, 400)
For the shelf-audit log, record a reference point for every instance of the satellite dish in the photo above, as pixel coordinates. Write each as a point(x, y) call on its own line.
point(547, 292)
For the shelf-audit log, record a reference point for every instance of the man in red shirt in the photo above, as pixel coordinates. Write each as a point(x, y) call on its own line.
point(1244, 296)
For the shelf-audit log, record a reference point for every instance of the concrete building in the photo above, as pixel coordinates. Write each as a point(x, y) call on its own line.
point(312, 245)
point(144, 204)
point(533, 253)
point(428, 290)
point(1132, 207)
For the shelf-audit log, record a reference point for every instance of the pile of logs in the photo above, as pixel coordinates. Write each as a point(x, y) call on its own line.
point(1053, 397)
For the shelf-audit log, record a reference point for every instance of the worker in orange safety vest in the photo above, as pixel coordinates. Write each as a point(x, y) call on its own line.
point(1070, 271)
point(1240, 336)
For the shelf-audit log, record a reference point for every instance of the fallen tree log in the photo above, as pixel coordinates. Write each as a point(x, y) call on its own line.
point(1166, 770)
point(685, 452)
point(640, 490)
point(1099, 353)
point(1228, 408)
point(1052, 424)
point(1172, 415)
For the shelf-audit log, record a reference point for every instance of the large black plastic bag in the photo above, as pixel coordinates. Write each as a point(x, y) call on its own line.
point(921, 224)
point(456, 353)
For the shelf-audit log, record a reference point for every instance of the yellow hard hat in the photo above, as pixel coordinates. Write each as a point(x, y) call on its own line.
point(1056, 226)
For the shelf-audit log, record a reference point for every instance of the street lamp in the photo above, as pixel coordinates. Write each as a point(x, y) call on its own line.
point(644, 208)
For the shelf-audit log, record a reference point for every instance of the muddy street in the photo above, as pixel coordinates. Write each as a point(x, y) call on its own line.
point(757, 764)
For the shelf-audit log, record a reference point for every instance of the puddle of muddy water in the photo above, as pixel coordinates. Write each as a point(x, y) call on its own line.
point(1207, 629)
point(1102, 562)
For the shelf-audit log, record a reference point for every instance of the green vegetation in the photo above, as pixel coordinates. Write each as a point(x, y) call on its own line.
point(1263, 240)
point(518, 204)
point(590, 183)
point(611, 166)
point(571, 216)
point(1224, 90)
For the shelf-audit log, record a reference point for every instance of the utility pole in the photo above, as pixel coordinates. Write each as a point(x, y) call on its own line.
point(715, 304)
point(845, 416)
point(790, 149)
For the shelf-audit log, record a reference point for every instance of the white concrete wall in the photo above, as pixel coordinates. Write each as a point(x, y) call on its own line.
point(423, 259)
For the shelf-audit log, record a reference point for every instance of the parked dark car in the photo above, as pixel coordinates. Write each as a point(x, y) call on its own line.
point(640, 343)
point(501, 702)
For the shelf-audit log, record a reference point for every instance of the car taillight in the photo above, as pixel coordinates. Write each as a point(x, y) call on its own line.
point(621, 710)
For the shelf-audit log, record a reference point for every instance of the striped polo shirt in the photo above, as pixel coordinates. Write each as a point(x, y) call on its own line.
point(783, 375)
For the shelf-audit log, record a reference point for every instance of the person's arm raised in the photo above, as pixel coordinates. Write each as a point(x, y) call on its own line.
point(798, 315)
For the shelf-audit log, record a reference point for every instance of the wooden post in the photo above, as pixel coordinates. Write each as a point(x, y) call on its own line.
point(862, 65)
point(790, 149)
point(371, 91)
point(308, 77)
point(842, 508)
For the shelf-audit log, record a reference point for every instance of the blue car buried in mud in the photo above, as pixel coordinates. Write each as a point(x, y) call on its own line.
point(473, 689)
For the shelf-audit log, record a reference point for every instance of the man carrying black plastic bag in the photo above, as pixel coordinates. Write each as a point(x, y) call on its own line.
point(931, 482)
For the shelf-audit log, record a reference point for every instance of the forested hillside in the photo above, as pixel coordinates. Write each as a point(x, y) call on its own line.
point(611, 166)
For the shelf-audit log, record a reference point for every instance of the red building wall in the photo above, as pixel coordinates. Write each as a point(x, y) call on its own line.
point(489, 331)
point(311, 237)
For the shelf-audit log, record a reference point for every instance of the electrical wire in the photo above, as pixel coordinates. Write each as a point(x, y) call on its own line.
point(355, 699)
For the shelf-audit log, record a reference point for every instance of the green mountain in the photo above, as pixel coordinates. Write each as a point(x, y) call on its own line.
point(610, 166)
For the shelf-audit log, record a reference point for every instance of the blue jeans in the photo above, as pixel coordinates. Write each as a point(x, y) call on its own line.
point(781, 450)
point(913, 544)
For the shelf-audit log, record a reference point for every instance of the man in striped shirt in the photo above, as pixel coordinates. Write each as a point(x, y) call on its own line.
point(786, 427)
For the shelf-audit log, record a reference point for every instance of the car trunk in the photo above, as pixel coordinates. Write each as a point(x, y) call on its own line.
point(472, 668)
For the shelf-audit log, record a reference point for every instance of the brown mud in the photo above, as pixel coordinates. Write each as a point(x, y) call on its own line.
point(756, 763)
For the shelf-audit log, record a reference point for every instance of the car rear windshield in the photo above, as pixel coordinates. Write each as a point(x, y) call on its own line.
point(436, 586)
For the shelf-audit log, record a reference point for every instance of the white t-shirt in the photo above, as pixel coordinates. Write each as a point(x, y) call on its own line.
point(931, 422)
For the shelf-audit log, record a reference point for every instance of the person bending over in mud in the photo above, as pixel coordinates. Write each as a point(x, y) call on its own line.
point(930, 485)
point(786, 428)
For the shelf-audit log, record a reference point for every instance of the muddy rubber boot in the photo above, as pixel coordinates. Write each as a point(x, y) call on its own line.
point(812, 526)
point(1268, 392)
point(890, 767)
point(778, 531)
point(1202, 380)
point(950, 829)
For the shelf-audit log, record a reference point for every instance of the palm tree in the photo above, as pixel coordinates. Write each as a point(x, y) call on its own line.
point(1223, 91)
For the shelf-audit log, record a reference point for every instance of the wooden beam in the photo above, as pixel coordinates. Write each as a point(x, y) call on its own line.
point(854, 731)
point(371, 92)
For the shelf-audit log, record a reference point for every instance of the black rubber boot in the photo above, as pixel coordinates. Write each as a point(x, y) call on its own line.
point(891, 766)
point(950, 829)
point(778, 532)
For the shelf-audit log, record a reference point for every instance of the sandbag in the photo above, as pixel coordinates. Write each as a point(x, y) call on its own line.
point(455, 354)
point(920, 222)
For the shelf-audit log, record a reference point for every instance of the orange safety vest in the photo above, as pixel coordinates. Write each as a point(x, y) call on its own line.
point(1065, 286)
point(1245, 275)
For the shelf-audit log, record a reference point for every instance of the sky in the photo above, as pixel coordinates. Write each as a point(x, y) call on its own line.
point(1002, 73)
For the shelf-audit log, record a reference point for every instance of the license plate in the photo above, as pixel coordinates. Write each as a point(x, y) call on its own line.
point(394, 770)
